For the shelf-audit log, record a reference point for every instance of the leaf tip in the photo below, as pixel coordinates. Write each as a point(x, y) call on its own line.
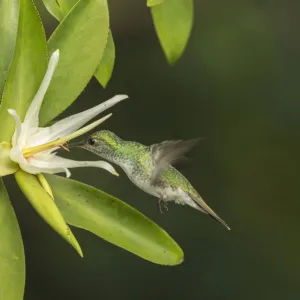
point(178, 258)
point(76, 245)
point(172, 59)
point(154, 2)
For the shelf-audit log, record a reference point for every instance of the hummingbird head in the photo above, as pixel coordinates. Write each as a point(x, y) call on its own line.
point(103, 143)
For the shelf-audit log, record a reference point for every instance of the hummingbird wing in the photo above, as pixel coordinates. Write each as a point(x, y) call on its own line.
point(167, 153)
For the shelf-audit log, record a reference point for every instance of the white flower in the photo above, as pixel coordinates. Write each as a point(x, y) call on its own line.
point(34, 148)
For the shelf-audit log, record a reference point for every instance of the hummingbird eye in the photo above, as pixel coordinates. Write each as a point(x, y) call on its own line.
point(91, 141)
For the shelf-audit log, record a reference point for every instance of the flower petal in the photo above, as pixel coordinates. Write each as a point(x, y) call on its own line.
point(72, 123)
point(68, 173)
point(32, 115)
point(36, 169)
point(59, 164)
point(18, 127)
point(16, 155)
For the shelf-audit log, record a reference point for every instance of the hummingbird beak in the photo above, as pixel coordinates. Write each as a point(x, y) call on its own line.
point(77, 144)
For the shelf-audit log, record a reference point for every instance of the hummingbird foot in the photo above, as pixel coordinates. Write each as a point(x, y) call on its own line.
point(162, 205)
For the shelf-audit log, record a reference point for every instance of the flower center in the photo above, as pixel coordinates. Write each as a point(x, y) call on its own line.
point(28, 152)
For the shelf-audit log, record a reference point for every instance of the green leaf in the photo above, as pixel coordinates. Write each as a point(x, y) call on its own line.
point(59, 8)
point(81, 38)
point(54, 9)
point(9, 15)
point(45, 206)
point(173, 20)
point(67, 5)
point(106, 66)
point(12, 259)
point(7, 166)
point(26, 70)
point(154, 2)
point(113, 220)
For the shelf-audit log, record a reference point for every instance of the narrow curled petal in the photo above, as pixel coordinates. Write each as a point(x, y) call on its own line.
point(38, 142)
point(59, 164)
point(18, 127)
point(16, 155)
point(43, 143)
point(72, 123)
point(29, 168)
point(32, 115)
point(68, 173)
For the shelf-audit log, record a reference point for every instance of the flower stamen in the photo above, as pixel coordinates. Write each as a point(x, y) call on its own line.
point(65, 146)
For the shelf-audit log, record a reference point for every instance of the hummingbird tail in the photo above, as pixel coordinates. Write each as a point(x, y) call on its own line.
point(216, 217)
point(203, 207)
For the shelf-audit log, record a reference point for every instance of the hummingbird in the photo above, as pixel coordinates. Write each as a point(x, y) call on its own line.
point(150, 168)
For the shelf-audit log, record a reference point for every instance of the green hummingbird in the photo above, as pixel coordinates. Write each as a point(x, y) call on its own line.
point(150, 168)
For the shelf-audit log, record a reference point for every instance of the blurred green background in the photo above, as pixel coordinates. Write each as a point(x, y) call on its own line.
point(237, 85)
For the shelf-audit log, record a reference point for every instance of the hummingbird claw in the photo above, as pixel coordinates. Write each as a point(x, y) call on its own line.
point(162, 205)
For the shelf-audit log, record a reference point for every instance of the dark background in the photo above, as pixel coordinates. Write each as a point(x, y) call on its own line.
point(237, 85)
